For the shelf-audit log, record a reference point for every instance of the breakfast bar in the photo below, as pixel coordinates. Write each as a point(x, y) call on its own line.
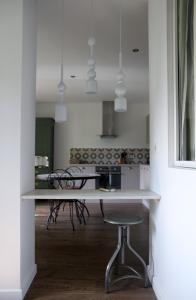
point(123, 222)
point(49, 194)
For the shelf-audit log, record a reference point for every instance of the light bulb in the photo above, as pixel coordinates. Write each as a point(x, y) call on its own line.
point(91, 41)
point(120, 104)
point(120, 89)
point(91, 86)
point(61, 88)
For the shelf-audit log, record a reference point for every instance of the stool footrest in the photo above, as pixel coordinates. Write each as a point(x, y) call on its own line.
point(126, 277)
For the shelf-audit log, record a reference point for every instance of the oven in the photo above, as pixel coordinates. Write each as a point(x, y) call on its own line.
point(110, 177)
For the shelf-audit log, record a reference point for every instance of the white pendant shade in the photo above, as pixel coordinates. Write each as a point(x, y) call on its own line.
point(60, 112)
point(120, 104)
point(91, 86)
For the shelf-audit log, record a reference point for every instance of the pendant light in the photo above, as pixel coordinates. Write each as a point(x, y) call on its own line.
point(120, 102)
point(91, 84)
point(61, 108)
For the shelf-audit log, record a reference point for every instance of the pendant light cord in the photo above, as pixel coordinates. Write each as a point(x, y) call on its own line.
point(92, 18)
point(62, 37)
point(120, 34)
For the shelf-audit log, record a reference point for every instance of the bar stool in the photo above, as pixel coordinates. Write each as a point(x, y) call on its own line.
point(118, 258)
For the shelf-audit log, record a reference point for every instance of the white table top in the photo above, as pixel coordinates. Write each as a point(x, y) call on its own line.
point(65, 175)
point(91, 194)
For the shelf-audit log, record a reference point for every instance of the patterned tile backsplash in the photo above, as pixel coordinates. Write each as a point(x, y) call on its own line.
point(109, 156)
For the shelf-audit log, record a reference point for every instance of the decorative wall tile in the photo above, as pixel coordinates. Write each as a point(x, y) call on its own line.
point(108, 156)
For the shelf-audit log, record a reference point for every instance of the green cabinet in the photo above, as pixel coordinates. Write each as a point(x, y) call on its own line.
point(44, 146)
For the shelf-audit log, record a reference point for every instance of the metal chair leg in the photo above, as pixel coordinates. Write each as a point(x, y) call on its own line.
point(101, 207)
point(84, 203)
point(71, 215)
point(77, 212)
point(54, 208)
point(81, 211)
point(82, 208)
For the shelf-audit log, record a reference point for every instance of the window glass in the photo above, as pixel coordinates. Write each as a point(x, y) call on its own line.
point(185, 102)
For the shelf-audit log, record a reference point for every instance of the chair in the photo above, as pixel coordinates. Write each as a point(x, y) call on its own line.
point(118, 259)
point(78, 184)
point(76, 169)
point(56, 180)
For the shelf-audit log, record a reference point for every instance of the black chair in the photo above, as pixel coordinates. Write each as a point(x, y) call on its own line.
point(57, 180)
point(78, 184)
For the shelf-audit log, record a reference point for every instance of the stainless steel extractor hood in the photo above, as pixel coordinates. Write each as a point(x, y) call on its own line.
point(108, 119)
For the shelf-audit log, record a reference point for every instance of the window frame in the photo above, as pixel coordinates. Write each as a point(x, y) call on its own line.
point(173, 88)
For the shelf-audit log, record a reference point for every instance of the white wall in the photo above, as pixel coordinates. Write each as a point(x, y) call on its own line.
point(84, 126)
point(17, 94)
point(28, 267)
point(173, 238)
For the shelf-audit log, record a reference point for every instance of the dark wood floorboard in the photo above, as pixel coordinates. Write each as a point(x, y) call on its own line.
point(71, 265)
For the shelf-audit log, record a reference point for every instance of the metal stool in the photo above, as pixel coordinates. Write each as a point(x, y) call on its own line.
point(118, 258)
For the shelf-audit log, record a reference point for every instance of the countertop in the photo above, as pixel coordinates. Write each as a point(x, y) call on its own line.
point(92, 194)
point(106, 165)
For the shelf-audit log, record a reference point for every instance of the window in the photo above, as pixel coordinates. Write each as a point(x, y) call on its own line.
point(184, 82)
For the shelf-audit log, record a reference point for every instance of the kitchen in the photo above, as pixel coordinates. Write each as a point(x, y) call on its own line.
point(94, 134)
point(171, 219)
point(88, 149)
point(94, 138)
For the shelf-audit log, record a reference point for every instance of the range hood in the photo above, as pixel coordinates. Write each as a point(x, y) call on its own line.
point(108, 120)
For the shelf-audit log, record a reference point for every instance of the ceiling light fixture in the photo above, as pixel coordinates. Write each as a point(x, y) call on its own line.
point(61, 108)
point(91, 87)
point(135, 50)
point(120, 102)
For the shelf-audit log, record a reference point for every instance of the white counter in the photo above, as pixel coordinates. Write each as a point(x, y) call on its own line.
point(91, 194)
point(103, 165)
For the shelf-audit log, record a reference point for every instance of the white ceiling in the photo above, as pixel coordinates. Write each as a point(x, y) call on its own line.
point(76, 50)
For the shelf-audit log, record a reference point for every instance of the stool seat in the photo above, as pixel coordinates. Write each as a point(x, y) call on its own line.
point(120, 220)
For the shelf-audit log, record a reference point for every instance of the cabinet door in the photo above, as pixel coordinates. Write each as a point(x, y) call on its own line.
point(39, 184)
point(130, 177)
point(44, 146)
point(90, 184)
point(44, 139)
point(144, 177)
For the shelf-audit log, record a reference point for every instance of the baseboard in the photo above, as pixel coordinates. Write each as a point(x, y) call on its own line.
point(150, 274)
point(28, 280)
point(116, 201)
point(15, 294)
point(160, 294)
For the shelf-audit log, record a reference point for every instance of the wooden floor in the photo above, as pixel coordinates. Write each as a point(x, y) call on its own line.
point(71, 265)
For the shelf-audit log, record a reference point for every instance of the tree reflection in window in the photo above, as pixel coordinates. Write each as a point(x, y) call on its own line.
point(185, 80)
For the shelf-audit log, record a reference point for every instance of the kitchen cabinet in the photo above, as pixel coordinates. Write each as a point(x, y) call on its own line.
point(90, 184)
point(144, 177)
point(44, 146)
point(130, 177)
